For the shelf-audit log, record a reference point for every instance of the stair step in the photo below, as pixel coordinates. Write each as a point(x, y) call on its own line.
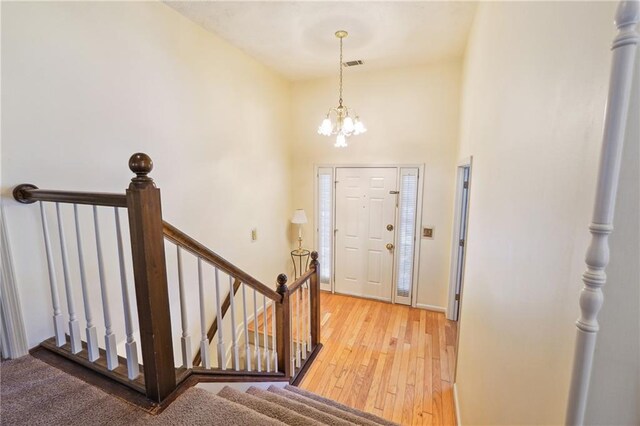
point(205, 408)
point(321, 406)
point(298, 407)
point(274, 411)
point(330, 402)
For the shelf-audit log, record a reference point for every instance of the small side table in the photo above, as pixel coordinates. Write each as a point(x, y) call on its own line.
point(300, 259)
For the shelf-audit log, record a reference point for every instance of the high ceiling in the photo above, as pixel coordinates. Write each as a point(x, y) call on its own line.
point(297, 38)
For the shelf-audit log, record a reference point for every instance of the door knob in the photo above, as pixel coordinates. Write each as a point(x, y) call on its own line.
point(389, 246)
point(389, 227)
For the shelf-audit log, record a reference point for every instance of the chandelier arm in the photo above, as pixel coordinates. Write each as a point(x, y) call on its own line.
point(340, 71)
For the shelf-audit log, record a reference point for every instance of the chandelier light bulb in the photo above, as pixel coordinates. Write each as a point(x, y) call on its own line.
point(359, 127)
point(341, 141)
point(338, 120)
point(326, 127)
point(347, 125)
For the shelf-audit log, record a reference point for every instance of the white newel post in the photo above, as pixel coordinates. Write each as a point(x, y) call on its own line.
point(597, 257)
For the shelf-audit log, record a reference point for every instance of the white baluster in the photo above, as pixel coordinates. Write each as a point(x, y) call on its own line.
point(256, 331)
point(187, 357)
point(624, 51)
point(274, 346)
point(204, 340)
point(298, 343)
point(133, 368)
point(74, 324)
point(222, 356)
point(109, 336)
point(58, 320)
point(247, 350)
point(234, 337)
point(92, 336)
point(291, 335)
point(303, 321)
point(265, 339)
point(309, 348)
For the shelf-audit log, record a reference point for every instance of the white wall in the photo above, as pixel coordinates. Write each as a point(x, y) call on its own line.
point(87, 84)
point(615, 382)
point(412, 117)
point(535, 80)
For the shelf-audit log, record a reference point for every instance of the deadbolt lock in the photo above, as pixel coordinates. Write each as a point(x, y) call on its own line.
point(389, 227)
point(390, 246)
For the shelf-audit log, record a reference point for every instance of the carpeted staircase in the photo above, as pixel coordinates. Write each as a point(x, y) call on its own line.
point(35, 393)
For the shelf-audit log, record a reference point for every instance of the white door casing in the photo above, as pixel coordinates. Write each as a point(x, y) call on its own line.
point(365, 205)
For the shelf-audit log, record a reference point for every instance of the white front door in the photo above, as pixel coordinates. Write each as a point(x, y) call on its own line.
point(365, 225)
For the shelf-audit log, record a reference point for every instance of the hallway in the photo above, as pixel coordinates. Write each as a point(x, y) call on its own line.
point(391, 360)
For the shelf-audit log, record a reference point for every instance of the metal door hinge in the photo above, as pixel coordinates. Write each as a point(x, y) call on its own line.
point(458, 296)
point(465, 185)
point(461, 243)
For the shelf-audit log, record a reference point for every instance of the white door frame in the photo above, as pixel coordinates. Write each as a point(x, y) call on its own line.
point(462, 164)
point(416, 251)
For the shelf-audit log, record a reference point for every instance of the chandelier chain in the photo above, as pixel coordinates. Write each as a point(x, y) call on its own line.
point(341, 71)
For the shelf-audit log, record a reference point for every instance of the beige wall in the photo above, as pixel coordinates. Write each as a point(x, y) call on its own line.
point(412, 117)
point(84, 85)
point(534, 89)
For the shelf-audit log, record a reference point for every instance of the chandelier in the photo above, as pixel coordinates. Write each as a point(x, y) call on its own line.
point(339, 119)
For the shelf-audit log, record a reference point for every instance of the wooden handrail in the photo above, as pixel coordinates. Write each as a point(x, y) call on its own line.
point(214, 325)
point(303, 278)
point(191, 245)
point(28, 193)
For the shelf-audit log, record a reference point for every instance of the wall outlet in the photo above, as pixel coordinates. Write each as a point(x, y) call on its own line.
point(254, 234)
point(427, 232)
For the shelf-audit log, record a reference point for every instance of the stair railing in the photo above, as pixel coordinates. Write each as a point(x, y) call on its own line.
point(285, 322)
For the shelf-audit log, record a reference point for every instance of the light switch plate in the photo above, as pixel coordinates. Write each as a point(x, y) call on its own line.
point(427, 232)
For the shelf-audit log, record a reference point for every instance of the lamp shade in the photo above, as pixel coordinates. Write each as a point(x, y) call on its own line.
point(299, 216)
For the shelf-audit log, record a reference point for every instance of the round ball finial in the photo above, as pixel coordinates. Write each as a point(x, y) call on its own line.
point(282, 285)
point(282, 279)
point(314, 255)
point(140, 164)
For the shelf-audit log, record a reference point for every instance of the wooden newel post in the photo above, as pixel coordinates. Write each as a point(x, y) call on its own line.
point(150, 273)
point(315, 300)
point(283, 327)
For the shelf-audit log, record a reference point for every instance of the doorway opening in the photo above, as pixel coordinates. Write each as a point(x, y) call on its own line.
point(367, 222)
point(458, 246)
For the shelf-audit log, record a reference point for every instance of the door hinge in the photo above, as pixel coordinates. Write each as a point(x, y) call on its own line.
point(465, 185)
point(457, 296)
point(461, 243)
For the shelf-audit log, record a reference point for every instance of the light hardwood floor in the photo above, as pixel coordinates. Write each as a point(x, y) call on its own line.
point(390, 360)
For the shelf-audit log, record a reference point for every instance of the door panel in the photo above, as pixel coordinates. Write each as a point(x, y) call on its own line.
point(364, 208)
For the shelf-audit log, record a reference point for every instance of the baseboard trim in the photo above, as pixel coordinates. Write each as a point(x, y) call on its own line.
point(431, 308)
point(456, 404)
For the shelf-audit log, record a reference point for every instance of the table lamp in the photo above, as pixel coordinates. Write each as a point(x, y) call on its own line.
point(299, 217)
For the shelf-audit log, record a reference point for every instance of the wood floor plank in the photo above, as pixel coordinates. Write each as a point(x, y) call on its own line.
point(386, 359)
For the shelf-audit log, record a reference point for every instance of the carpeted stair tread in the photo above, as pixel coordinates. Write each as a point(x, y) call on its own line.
point(35, 393)
point(330, 402)
point(298, 407)
point(269, 409)
point(344, 415)
point(198, 407)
